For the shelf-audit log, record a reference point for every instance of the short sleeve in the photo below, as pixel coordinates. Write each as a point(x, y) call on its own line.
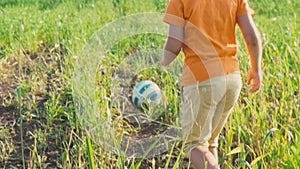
point(244, 8)
point(175, 13)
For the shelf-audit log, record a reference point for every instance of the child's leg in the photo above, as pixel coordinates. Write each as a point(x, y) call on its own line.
point(224, 108)
point(203, 159)
point(214, 151)
point(198, 110)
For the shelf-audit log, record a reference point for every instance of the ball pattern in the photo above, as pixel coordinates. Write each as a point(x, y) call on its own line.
point(146, 93)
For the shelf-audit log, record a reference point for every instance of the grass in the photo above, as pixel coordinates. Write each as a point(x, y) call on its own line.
point(40, 44)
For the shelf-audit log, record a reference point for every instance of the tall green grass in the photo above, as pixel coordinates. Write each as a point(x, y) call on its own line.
point(262, 132)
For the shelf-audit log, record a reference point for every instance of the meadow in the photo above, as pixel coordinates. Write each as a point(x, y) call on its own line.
point(48, 112)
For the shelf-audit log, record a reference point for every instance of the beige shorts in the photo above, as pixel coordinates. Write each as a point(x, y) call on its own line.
point(205, 109)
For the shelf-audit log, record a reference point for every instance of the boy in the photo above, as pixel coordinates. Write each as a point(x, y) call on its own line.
point(211, 82)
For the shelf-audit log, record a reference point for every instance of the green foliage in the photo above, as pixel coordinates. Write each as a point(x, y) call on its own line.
point(160, 5)
point(44, 38)
point(14, 3)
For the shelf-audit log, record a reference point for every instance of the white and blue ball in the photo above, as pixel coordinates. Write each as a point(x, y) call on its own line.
point(146, 93)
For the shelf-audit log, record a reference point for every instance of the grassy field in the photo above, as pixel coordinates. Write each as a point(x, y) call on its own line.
point(45, 124)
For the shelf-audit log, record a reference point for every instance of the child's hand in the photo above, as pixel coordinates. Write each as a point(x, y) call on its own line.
point(256, 77)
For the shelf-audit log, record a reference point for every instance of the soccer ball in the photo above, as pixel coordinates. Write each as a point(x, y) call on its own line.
point(146, 93)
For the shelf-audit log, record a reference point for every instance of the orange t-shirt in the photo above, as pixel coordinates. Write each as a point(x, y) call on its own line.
point(209, 41)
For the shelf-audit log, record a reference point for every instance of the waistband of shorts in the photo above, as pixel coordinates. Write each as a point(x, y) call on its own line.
point(208, 81)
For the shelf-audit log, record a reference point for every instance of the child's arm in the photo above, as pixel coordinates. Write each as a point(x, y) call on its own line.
point(253, 41)
point(173, 45)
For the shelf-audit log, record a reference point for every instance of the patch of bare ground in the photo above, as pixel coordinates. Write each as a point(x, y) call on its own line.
point(37, 74)
point(40, 76)
point(153, 141)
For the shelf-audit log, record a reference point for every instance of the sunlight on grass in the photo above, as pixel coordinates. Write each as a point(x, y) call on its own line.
point(41, 42)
